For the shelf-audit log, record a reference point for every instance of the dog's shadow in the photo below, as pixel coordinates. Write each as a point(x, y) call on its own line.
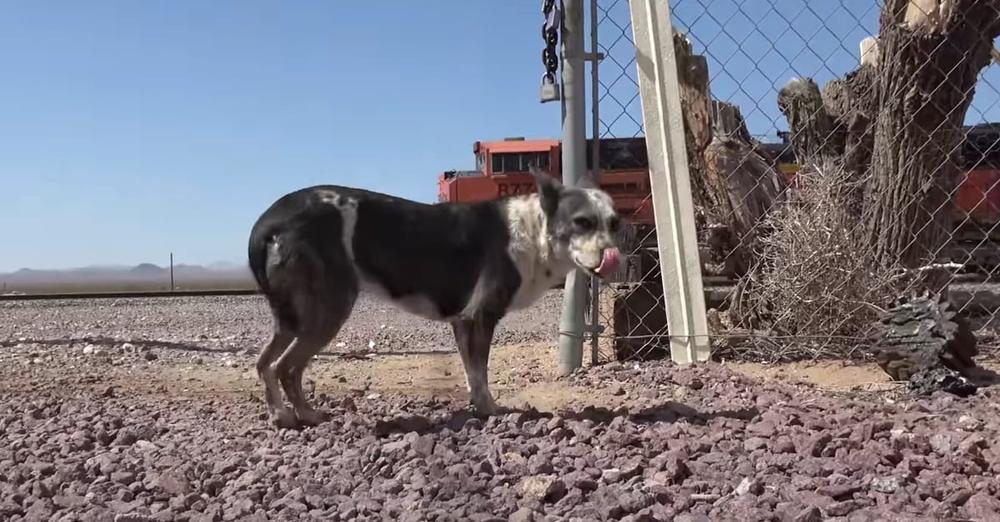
point(982, 377)
point(667, 412)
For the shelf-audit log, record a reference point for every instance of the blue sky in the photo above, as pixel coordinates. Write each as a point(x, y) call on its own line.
point(133, 129)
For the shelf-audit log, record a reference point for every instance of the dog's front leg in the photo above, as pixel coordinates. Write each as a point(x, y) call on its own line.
point(474, 338)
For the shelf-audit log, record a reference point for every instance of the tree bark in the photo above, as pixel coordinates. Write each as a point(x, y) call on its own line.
point(923, 340)
point(931, 53)
point(895, 123)
point(815, 135)
point(732, 186)
point(692, 70)
point(747, 184)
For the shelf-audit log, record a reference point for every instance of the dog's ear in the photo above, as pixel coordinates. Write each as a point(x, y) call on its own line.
point(549, 189)
point(587, 181)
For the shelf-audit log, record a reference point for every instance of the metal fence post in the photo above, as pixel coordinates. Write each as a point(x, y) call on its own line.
point(573, 165)
point(594, 57)
point(669, 179)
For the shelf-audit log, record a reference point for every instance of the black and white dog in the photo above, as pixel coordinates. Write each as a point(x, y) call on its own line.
point(315, 249)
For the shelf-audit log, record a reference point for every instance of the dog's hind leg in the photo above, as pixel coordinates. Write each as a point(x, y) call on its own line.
point(326, 314)
point(474, 338)
point(289, 368)
point(278, 412)
point(313, 284)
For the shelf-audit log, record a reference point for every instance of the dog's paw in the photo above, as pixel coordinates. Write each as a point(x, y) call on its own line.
point(285, 419)
point(486, 406)
point(311, 417)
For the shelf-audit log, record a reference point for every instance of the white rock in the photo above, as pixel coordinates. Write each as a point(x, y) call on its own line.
point(899, 434)
point(886, 485)
point(969, 423)
point(942, 443)
point(539, 487)
point(144, 445)
point(745, 486)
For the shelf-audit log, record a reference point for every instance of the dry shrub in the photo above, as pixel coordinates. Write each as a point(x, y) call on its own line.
point(814, 289)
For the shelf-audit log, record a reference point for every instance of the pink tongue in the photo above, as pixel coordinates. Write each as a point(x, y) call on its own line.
point(609, 263)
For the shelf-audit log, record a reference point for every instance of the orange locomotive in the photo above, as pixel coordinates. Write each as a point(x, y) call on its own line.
point(977, 197)
point(502, 169)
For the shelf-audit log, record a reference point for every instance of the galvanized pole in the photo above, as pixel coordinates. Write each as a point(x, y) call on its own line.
point(574, 163)
point(595, 162)
point(171, 271)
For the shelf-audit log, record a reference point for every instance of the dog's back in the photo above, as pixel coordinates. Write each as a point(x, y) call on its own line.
point(315, 249)
point(427, 259)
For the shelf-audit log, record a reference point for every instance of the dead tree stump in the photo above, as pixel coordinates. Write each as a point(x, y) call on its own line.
point(923, 341)
point(893, 127)
point(747, 185)
point(895, 122)
point(732, 185)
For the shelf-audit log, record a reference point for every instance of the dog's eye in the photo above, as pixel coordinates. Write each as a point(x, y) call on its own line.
point(613, 224)
point(584, 223)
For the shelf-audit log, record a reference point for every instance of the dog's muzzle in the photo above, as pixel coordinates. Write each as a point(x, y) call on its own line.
point(609, 262)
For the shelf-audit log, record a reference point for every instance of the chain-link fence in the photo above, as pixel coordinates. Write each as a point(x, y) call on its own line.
point(843, 156)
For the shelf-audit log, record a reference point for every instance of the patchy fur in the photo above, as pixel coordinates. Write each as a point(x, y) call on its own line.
point(315, 249)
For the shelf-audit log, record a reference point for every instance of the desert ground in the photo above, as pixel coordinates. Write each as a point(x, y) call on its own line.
point(150, 409)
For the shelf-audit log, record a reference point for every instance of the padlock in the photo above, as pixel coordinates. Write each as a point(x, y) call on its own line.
point(550, 91)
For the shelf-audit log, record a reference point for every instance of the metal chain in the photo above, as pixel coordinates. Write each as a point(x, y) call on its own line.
point(550, 35)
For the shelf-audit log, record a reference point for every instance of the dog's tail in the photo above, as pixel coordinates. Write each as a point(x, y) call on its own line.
point(258, 250)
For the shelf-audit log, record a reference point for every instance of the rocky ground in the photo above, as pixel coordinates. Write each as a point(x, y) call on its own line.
point(240, 323)
point(150, 410)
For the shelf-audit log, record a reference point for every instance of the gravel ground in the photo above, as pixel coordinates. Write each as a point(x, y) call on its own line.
point(241, 323)
point(109, 431)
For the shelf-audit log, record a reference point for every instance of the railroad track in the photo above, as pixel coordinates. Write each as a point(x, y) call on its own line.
point(125, 295)
point(717, 289)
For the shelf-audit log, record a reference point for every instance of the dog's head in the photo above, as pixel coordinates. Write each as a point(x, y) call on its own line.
point(581, 222)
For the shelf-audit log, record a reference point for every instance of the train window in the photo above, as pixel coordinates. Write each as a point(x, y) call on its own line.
point(519, 162)
point(540, 159)
point(981, 148)
point(619, 154)
point(511, 162)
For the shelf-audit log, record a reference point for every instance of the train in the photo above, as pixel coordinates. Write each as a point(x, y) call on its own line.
point(501, 168)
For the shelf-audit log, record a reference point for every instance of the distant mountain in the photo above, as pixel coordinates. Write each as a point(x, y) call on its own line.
point(148, 269)
point(142, 273)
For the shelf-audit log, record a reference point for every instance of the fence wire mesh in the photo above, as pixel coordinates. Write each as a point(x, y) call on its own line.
point(844, 155)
